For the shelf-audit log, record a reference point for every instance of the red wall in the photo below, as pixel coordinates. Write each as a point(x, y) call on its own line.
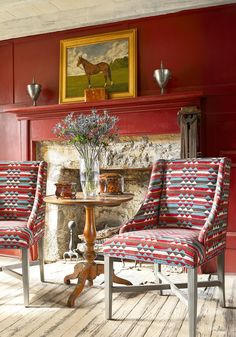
point(199, 48)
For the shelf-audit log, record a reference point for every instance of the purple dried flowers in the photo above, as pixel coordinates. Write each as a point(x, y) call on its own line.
point(88, 133)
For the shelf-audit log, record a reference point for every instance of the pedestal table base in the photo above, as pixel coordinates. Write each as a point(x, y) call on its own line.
point(84, 271)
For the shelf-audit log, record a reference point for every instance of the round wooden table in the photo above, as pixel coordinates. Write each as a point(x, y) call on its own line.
point(89, 269)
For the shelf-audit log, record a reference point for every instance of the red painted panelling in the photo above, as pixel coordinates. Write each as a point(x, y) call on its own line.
point(37, 58)
point(9, 137)
point(6, 71)
point(220, 124)
point(196, 46)
point(129, 124)
point(232, 204)
point(230, 261)
point(199, 52)
point(41, 130)
point(144, 115)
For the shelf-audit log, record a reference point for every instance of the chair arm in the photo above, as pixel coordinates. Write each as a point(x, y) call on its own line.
point(213, 233)
point(36, 218)
point(148, 213)
point(145, 218)
point(37, 215)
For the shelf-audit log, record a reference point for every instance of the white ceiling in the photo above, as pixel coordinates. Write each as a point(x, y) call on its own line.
point(29, 17)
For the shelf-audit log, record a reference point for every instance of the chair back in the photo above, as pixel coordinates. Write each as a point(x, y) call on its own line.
point(20, 183)
point(190, 187)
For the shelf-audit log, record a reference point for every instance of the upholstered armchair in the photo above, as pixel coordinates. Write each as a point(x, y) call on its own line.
point(181, 222)
point(22, 211)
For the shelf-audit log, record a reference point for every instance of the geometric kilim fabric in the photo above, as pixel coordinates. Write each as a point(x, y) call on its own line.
point(189, 196)
point(22, 210)
point(176, 247)
point(187, 193)
point(15, 235)
point(148, 213)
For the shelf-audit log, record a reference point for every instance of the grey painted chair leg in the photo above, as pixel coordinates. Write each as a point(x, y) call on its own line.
point(157, 267)
point(41, 259)
point(192, 301)
point(221, 277)
point(25, 275)
point(108, 286)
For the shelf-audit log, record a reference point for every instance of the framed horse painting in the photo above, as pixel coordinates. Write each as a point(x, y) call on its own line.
point(105, 60)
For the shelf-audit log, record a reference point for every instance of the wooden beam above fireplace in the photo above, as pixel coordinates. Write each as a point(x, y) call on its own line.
point(156, 114)
point(143, 115)
point(136, 105)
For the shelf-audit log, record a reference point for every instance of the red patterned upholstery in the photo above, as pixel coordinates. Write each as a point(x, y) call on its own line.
point(159, 244)
point(22, 210)
point(183, 218)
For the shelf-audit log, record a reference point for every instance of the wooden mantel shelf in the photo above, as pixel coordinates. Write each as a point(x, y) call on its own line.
point(138, 116)
point(136, 105)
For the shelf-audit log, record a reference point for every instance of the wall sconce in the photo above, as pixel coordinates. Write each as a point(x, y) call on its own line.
point(34, 90)
point(162, 77)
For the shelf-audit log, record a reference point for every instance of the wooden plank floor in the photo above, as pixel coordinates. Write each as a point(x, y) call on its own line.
point(134, 315)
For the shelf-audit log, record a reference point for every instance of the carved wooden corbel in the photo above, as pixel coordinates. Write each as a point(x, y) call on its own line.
point(189, 122)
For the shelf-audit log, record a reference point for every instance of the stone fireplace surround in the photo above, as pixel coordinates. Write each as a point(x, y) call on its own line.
point(131, 157)
point(148, 129)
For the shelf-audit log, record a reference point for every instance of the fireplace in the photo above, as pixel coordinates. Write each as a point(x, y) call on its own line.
point(131, 157)
point(148, 129)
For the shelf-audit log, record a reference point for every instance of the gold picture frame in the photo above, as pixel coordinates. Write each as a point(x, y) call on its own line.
point(108, 60)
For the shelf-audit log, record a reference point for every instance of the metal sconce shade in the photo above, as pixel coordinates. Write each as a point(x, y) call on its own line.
point(34, 90)
point(162, 77)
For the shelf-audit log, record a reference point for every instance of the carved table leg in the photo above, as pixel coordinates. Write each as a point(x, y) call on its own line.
point(85, 270)
point(82, 271)
point(82, 277)
point(90, 237)
point(78, 269)
point(88, 270)
point(90, 234)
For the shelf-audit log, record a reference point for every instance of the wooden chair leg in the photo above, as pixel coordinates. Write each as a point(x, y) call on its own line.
point(221, 277)
point(108, 286)
point(41, 259)
point(25, 275)
point(157, 267)
point(192, 301)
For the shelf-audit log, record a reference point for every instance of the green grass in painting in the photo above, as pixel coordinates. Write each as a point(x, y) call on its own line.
point(75, 85)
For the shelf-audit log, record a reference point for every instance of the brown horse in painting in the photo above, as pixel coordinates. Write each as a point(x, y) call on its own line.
point(92, 69)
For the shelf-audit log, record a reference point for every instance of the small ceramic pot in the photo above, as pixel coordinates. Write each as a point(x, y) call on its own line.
point(65, 190)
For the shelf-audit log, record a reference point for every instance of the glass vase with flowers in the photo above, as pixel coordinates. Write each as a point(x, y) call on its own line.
point(90, 134)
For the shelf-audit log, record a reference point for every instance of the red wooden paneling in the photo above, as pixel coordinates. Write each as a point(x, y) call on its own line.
point(6, 71)
point(38, 58)
point(9, 137)
point(199, 52)
point(137, 116)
